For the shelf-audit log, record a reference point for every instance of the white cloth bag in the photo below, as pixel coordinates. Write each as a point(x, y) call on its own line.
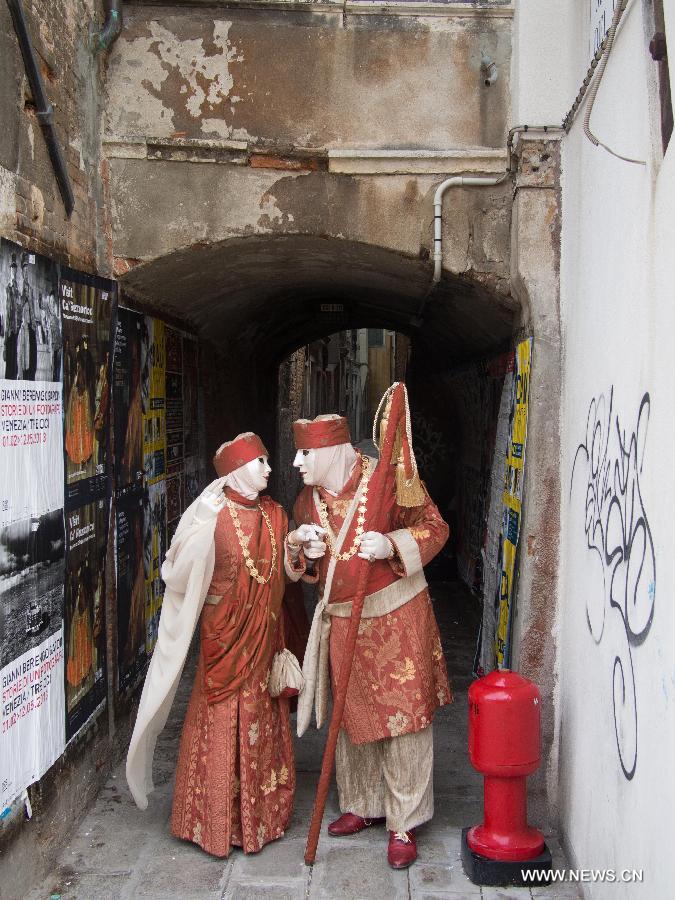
point(285, 673)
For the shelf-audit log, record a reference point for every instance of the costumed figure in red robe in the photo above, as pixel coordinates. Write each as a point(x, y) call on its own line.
point(384, 757)
point(235, 777)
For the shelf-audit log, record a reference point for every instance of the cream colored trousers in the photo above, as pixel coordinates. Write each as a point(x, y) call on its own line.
point(391, 778)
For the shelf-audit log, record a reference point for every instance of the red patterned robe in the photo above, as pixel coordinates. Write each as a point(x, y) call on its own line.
point(398, 677)
point(235, 778)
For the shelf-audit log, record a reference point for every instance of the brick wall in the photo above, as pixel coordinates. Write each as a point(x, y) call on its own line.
point(32, 211)
point(33, 215)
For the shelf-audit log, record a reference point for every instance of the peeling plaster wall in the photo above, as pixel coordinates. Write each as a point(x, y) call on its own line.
point(247, 93)
point(535, 264)
point(308, 80)
point(209, 203)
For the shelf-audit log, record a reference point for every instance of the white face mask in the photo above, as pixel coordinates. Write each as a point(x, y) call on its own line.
point(251, 478)
point(305, 463)
point(328, 467)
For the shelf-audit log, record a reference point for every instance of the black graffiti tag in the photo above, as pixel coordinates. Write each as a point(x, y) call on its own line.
point(617, 530)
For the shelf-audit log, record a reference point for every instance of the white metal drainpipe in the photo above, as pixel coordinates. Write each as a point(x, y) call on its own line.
point(455, 181)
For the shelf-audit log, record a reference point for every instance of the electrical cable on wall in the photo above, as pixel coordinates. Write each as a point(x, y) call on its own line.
point(609, 43)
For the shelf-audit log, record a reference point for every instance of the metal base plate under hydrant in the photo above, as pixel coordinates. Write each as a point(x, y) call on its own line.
point(498, 873)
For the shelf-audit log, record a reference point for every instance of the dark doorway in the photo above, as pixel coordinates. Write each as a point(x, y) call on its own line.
point(268, 303)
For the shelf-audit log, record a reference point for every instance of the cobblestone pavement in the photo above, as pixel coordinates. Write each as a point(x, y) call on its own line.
point(118, 851)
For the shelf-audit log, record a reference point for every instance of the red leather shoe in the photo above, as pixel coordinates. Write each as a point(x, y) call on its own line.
point(402, 849)
point(350, 823)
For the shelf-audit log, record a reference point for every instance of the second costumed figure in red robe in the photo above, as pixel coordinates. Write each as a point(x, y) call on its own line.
point(384, 758)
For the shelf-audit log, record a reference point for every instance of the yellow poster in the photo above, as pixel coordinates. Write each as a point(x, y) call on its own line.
point(154, 400)
point(154, 465)
point(512, 498)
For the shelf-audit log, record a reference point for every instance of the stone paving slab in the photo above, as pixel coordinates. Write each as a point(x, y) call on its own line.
point(285, 862)
point(441, 878)
point(493, 893)
point(350, 872)
point(271, 891)
point(119, 852)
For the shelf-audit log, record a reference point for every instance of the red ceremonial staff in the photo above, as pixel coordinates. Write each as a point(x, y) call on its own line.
point(385, 478)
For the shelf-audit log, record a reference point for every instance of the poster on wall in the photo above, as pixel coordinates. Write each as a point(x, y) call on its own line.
point(31, 449)
point(174, 504)
point(86, 311)
point(84, 624)
point(190, 397)
point(33, 732)
point(127, 401)
point(175, 424)
point(155, 400)
point(190, 421)
point(139, 396)
point(32, 542)
point(154, 553)
point(31, 440)
point(153, 392)
point(192, 481)
point(132, 614)
point(31, 327)
point(512, 499)
point(500, 371)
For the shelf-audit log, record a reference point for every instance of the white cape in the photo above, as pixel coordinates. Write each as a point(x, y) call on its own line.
point(187, 573)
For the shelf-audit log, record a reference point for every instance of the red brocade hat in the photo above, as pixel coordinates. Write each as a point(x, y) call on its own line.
point(321, 432)
point(233, 454)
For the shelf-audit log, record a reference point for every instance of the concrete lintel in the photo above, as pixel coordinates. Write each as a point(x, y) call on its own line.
point(359, 7)
point(451, 10)
point(201, 143)
point(178, 149)
point(356, 161)
point(129, 149)
point(537, 133)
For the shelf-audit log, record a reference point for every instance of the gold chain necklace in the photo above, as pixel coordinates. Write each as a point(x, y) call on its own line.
point(252, 571)
point(360, 519)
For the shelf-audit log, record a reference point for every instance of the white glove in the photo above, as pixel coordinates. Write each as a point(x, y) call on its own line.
point(374, 545)
point(311, 538)
point(210, 502)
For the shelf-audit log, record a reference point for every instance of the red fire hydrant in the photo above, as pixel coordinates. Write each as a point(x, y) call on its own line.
point(504, 745)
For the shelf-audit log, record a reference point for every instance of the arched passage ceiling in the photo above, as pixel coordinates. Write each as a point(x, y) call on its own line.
point(264, 295)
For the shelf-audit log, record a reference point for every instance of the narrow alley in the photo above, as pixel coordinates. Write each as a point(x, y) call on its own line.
point(120, 852)
point(231, 233)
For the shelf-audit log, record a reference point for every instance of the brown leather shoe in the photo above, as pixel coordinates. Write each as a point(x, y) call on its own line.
point(350, 823)
point(402, 849)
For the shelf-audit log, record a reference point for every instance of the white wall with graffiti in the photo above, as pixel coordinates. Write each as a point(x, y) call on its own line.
point(616, 621)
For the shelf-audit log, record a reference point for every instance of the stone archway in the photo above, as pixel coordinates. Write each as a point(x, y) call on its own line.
point(253, 284)
point(253, 300)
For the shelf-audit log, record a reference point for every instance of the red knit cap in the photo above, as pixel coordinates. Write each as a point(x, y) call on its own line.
point(233, 454)
point(321, 432)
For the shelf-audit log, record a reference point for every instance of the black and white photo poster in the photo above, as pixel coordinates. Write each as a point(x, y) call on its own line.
point(32, 540)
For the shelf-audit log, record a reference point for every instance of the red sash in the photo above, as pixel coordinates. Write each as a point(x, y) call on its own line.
point(238, 634)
